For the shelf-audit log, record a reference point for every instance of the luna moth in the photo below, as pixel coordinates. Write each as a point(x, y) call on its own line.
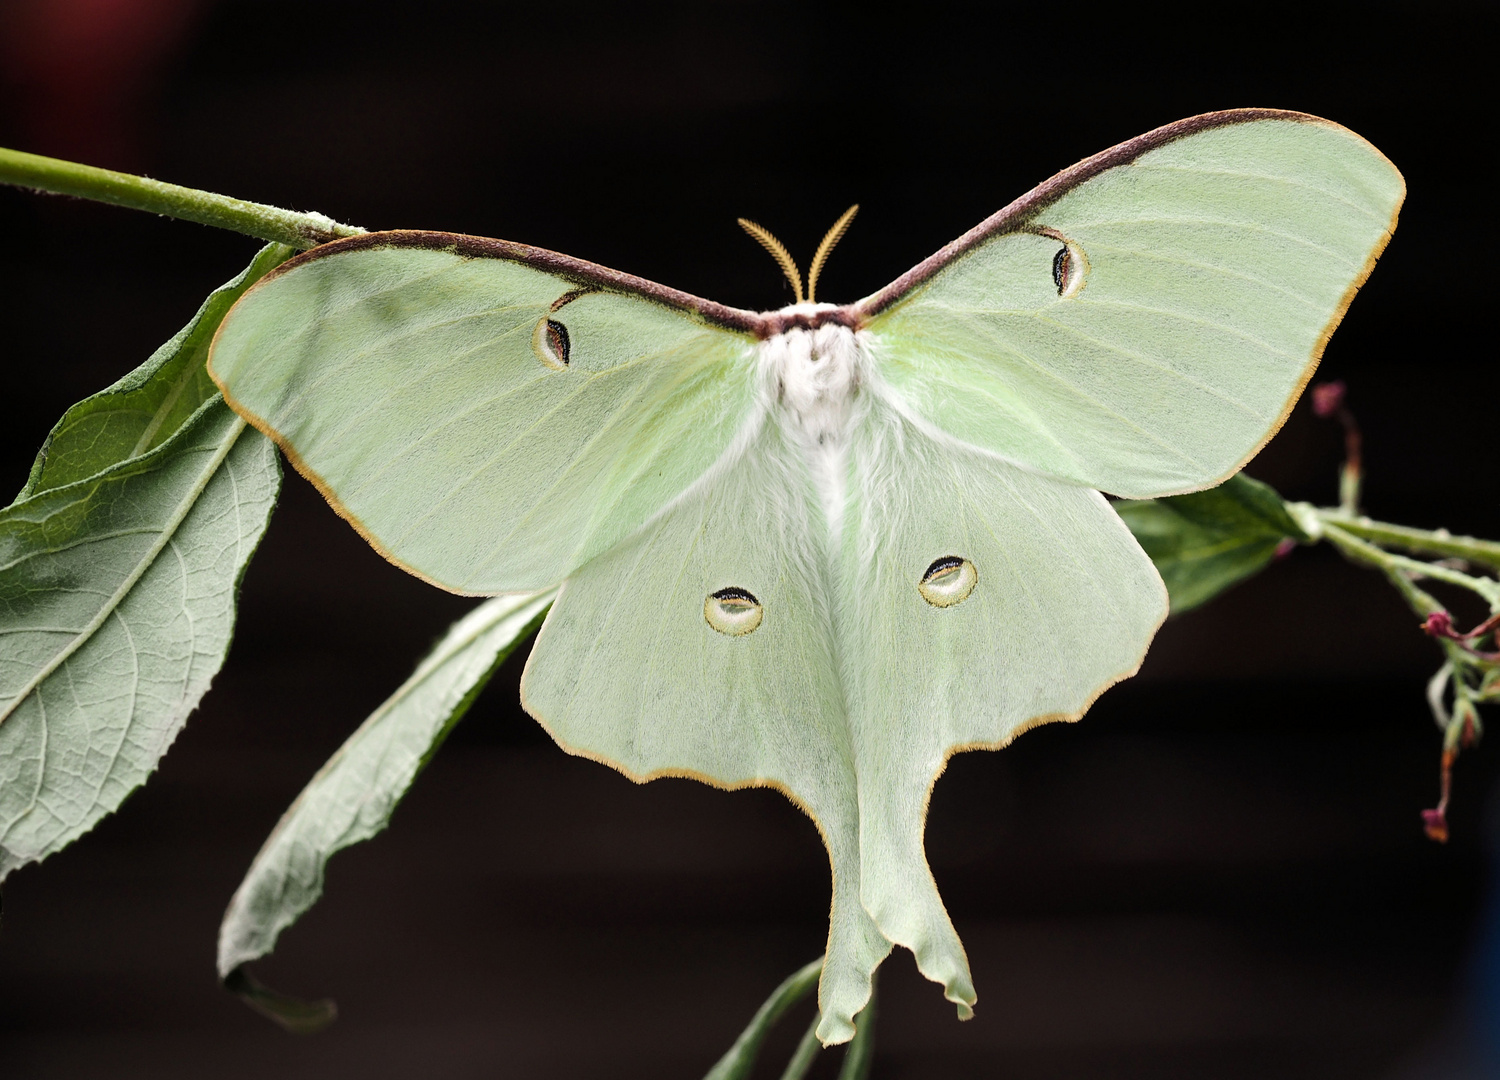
point(825, 548)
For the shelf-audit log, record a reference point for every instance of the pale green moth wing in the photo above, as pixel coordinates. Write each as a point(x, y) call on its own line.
point(488, 415)
point(977, 600)
point(629, 670)
point(837, 679)
point(1142, 322)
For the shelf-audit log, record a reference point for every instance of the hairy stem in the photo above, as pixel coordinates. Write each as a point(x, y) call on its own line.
point(1428, 542)
point(298, 230)
point(1357, 550)
point(1398, 571)
point(1397, 567)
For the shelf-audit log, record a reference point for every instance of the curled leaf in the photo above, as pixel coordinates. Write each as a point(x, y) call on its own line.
point(353, 796)
point(295, 1015)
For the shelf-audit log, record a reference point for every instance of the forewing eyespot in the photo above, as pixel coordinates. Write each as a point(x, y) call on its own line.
point(1069, 267)
point(550, 343)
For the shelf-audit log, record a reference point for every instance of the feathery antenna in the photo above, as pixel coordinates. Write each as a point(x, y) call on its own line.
point(784, 258)
point(778, 252)
point(830, 238)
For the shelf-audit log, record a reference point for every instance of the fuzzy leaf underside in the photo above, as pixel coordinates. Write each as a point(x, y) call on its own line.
point(117, 598)
point(119, 567)
point(353, 796)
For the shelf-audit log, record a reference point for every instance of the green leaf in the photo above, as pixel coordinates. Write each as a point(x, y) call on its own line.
point(353, 796)
point(119, 568)
point(117, 598)
point(146, 407)
point(1204, 542)
point(808, 1048)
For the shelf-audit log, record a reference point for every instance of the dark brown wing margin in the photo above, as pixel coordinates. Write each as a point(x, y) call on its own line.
point(579, 271)
point(1016, 214)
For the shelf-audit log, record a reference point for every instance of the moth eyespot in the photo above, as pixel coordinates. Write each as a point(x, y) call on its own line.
point(1069, 268)
point(550, 343)
point(948, 581)
point(733, 611)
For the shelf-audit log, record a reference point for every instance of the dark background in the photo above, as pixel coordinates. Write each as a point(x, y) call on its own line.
point(1219, 873)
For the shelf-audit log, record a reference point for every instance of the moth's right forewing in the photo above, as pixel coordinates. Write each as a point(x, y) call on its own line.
point(1143, 323)
point(486, 424)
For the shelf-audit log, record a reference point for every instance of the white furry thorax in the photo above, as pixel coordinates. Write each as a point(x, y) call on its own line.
point(811, 380)
point(813, 377)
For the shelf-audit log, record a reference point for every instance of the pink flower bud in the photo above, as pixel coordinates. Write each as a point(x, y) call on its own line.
point(1439, 624)
point(1327, 397)
point(1435, 824)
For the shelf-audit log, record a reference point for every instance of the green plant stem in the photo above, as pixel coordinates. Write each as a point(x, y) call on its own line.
point(737, 1063)
point(805, 1054)
point(1397, 570)
point(861, 1053)
point(1397, 567)
point(1360, 551)
point(1424, 541)
point(298, 230)
point(1349, 489)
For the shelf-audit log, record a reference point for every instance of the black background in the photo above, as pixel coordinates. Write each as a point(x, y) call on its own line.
point(1219, 873)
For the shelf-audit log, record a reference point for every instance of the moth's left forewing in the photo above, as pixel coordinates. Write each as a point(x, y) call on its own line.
point(489, 416)
point(1143, 322)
